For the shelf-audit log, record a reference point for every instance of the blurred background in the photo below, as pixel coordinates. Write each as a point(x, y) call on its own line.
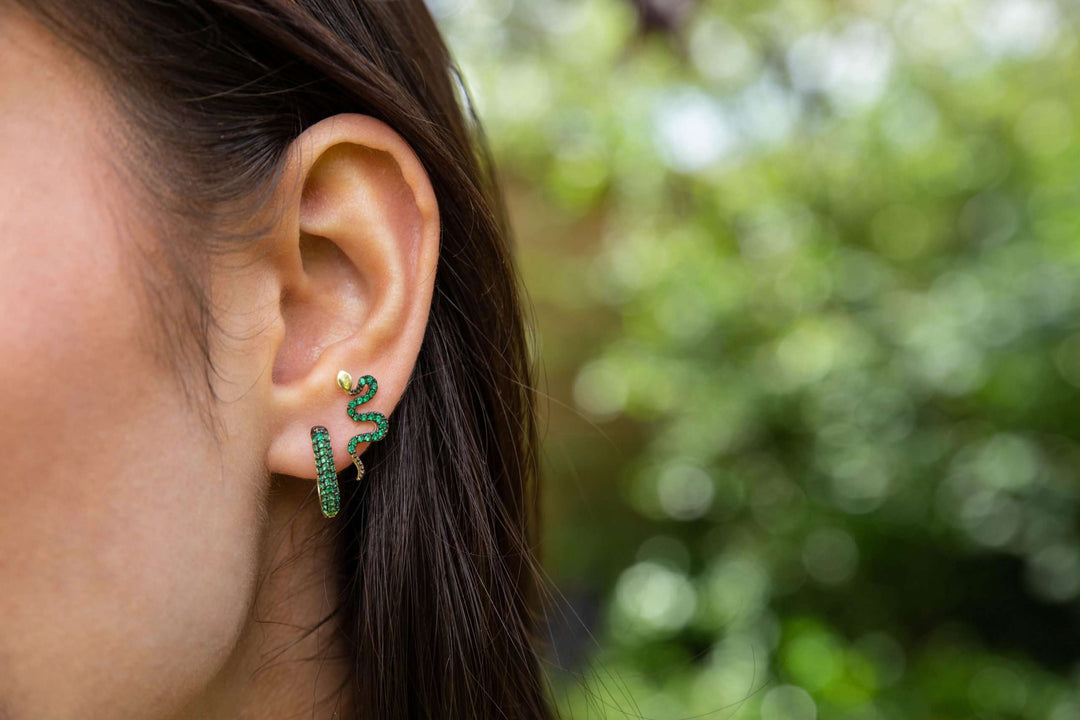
point(806, 283)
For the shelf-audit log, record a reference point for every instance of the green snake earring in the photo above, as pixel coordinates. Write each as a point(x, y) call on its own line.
point(329, 495)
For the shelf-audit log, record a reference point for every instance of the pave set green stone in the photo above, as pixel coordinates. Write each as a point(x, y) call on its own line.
point(378, 418)
point(329, 496)
point(329, 493)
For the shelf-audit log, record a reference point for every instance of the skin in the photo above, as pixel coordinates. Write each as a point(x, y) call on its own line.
point(145, 570)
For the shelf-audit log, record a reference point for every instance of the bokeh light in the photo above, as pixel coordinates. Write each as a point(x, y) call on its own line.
point(806, 283)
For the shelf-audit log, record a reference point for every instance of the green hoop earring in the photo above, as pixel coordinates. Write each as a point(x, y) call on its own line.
point(329, 496)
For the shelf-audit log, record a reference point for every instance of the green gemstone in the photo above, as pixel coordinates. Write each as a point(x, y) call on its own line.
point(329, 500)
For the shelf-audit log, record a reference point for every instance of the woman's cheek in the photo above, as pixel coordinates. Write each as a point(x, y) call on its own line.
point(127, 555)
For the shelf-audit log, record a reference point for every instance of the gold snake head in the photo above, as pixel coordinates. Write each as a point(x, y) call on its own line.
point(344, 381)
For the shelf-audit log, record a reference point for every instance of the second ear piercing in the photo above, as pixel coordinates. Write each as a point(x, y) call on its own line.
point(365, 389)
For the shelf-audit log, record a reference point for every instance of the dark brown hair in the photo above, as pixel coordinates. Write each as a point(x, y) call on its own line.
point(442, 594)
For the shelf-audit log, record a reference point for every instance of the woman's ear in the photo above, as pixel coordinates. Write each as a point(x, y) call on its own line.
point(355, 251)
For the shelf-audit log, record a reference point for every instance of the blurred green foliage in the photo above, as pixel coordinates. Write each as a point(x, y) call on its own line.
point(806, 278)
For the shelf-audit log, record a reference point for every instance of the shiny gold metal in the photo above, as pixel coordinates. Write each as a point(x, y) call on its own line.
point(344, 380)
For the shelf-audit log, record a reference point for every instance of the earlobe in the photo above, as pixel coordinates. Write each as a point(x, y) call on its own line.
point(355, 256)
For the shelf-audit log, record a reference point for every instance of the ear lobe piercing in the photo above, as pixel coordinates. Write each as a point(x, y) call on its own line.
point(329, 493)
point(329, 497)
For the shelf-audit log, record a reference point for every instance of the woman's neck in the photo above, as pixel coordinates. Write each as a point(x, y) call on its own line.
point(287, 663)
